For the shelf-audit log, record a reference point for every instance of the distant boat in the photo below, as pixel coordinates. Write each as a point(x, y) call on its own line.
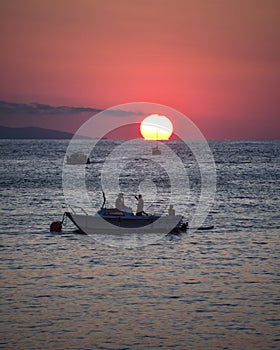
point(155, 150)
point(77, 158)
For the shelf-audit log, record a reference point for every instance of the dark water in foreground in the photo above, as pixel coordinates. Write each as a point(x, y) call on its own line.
point(215, 289)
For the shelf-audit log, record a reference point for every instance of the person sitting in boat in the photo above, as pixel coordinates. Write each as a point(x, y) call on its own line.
point(140, 206)
point(171, 211)
point(120, 202)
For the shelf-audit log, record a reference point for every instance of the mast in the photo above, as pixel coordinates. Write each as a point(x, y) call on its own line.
point(155, 150)
point(156, 137)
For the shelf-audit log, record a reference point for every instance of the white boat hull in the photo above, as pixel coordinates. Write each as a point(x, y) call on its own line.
point(90, 224)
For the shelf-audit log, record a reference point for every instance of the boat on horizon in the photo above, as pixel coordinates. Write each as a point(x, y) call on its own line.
point(77, 158)
point(156, 151)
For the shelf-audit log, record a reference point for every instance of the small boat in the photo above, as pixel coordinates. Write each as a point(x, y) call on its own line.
point(115, 221)
point(77, 158)
point(156, 151)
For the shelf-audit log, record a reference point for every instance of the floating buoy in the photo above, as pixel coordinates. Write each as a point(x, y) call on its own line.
point(184, 227)
point(56, 226)
point(205, 228)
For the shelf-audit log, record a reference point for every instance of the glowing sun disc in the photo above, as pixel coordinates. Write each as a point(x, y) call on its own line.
point(156, 127)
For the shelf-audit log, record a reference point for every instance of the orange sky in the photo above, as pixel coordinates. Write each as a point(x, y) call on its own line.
point(217, 61)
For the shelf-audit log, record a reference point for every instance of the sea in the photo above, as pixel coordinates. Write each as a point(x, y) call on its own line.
point(201, 289)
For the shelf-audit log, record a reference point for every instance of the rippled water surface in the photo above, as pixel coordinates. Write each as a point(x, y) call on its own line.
point(216, 289)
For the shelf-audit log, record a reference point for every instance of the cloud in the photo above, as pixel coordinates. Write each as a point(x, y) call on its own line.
point(42, 109)
point(34, 108)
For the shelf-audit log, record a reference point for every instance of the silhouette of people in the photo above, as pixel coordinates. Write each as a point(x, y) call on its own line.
point(171, 211)
point(140, 206)
point(120, 202)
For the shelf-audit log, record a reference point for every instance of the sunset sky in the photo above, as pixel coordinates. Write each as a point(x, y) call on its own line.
point(216, 61)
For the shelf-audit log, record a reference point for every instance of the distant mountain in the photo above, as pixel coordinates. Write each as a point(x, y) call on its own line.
point(32, 133)
point(125, 132)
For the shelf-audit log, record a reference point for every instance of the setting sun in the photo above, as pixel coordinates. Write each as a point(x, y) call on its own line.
point(156, 127)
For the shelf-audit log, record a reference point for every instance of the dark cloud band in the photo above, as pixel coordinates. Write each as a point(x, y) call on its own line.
point(42, 109)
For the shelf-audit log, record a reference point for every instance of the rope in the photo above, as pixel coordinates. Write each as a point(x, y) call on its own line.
point(64, 220)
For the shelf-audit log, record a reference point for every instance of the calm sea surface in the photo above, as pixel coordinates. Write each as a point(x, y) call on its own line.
point(216, 289)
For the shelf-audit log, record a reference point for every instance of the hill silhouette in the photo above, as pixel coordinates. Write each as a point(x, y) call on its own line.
point(32, 133)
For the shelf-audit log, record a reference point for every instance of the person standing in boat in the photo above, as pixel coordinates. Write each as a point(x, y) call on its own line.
point(171, 210)
point(120, 202)
point(140, 206)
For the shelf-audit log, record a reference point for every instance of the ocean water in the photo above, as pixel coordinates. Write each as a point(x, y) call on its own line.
point(216, 289)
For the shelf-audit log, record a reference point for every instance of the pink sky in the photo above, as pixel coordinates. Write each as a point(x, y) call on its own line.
point(215, 61)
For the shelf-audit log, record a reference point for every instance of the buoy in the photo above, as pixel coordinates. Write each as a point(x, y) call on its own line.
point(205, 228)
point(184, 227)
point(56, 226)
